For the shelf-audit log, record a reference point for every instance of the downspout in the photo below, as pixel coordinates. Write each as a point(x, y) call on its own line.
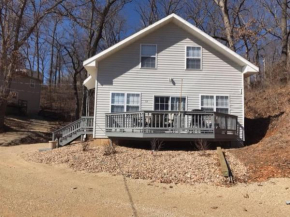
point(95, 105)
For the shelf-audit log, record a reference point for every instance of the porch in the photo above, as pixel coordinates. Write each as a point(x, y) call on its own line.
point(185, 125)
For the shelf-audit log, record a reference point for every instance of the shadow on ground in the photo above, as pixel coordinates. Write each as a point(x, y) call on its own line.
point(27, 130)
point(172, 145)
point(256, 129)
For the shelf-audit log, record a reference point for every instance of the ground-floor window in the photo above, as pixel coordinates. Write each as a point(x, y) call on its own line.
point(169, 103)
point(217, 103)
point(121, 102)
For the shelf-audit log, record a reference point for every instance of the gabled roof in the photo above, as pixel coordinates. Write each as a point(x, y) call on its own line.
point(247, 67)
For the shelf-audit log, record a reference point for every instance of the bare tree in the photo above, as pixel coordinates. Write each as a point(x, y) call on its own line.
point(113, 32)
point(56, 21)
point(223, 5)
point(156, 144)
point(74, 64)
point(18, 20)
point(93, 20)
point(151, 11)
point(276, 24)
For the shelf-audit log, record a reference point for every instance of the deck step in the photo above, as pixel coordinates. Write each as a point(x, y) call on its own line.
point(74, 130)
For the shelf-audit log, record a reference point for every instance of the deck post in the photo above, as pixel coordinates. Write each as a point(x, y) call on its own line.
point(143, 121)
point(53, 137)
point(179, 122)
point(226, 123)
point(213, 123)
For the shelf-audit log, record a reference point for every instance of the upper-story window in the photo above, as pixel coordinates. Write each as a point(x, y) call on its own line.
point(148, 55)
point(193, 57)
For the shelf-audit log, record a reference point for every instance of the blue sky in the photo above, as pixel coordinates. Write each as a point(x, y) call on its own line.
point(132, 17)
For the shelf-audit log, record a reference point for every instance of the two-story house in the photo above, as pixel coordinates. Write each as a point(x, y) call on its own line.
point(168, 81)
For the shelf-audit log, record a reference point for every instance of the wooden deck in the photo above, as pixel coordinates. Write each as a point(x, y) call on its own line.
point(172, 125)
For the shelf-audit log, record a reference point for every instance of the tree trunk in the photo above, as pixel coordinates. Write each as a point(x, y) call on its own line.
point(37, 54)
point(52, 54)
point(3, 105)
point(56, 68)
point(5, 88)
point(77, 108)
point(284, 31)
point(84, 102)
point(226, 19)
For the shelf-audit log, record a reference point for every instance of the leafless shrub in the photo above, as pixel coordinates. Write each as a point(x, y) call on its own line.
point(109, 148)
point(156, 145)
point(201, 144)
point(85, 146)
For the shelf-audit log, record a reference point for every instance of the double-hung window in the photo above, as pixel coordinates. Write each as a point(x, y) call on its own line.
point(222, 104)
point(148, 55)
point(133, 102)
point(214, 103)
point(207, 103)
point(121, 102)
point(193, 58)
point(117, 102)
point(168, 103)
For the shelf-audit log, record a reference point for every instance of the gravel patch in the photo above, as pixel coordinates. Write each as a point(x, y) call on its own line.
point(164, 166)
point(239, 170)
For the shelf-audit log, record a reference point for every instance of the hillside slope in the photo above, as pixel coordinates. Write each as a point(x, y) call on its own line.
point(267, 126)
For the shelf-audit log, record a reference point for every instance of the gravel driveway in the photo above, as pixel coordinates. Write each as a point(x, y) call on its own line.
point(34, 189)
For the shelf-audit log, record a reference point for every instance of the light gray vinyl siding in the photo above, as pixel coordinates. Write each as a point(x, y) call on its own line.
point(121, 72)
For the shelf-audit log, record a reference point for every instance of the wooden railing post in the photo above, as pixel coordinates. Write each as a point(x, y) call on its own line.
point(143, 121)
point(179, 122)
point(213, 122)
point(226, 120)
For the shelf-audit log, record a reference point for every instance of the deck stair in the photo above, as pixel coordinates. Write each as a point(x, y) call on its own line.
point(74, 130)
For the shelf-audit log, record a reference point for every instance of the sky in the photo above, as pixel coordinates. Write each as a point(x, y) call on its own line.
point(132, 17)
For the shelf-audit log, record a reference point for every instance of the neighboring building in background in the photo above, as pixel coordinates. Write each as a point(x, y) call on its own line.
point(25, 92)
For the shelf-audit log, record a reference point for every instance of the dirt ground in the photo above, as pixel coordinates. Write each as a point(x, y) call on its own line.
point(25, 130)
point(34, 189)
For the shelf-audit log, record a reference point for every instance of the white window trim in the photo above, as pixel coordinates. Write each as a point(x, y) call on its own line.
point(32, 83)
point(140, 56)
point(125, 99)
point(214, 97)
point(153, 107)
point(201, 59)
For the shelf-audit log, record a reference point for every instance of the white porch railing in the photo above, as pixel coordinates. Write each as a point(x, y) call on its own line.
point(68, 133)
